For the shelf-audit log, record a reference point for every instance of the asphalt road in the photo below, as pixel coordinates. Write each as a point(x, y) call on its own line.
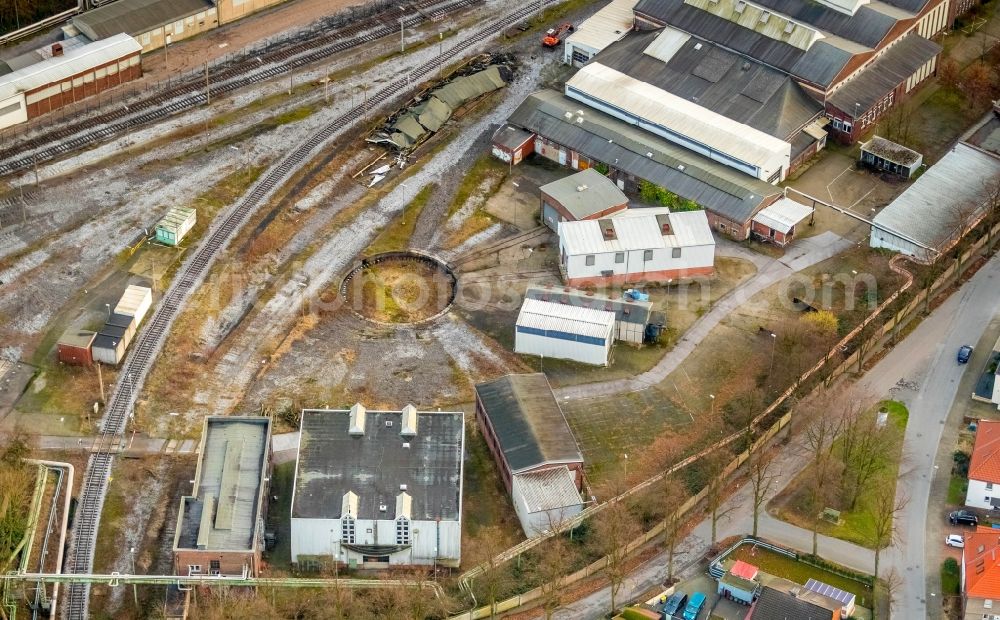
point(925, 362)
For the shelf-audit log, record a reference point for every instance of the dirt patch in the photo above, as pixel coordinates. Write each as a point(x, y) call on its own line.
point(400, 290)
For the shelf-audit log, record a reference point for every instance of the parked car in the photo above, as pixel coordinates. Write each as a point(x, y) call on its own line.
point(674, 605)
point(695, 603)
point(963, 517)
point(964, 353)
point(955, 540)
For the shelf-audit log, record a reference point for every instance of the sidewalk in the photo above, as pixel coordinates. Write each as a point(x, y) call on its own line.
point(801, 254)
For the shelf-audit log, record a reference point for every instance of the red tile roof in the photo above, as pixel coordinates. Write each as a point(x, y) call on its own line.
point(981, 557)
point(985, 464)
point(744, 570)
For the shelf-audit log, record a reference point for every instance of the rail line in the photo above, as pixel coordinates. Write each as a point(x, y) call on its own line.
point(236, 75)
point(151, 338)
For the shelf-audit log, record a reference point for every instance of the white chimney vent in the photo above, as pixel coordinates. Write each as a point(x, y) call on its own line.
point(409, 421)
point(382, 507)
point(358, 413)
point(402, 487)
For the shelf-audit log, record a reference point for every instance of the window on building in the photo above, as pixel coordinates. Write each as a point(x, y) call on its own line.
point(647, 255)
point(402, 531)
point(214, 567)
point(347, 534)
point(989, 486)
point(589, 261)
point(675, 253)
point(847, 127)
point(838, 124)
point(194, 569)
point(144, 39)
point(619, 257)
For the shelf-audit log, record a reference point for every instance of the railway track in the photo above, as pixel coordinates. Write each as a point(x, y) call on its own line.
point(238, 74)
point(152, 337)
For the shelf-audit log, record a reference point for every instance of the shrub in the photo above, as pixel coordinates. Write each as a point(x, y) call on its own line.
point(961, 460)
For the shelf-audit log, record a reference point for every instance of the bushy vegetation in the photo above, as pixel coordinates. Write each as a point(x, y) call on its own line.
point(16, 482)
point(650, 192)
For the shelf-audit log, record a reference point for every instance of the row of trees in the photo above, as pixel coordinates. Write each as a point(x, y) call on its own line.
point(15, 14)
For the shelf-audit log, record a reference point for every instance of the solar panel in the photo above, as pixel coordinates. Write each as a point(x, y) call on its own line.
point(844, 598)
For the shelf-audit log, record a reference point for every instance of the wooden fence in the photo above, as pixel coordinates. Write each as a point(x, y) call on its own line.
point(943, 280)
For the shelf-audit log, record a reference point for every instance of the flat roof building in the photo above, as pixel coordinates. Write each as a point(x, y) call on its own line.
point(74, 345)
point(527, 434)
point(776, 222)
point(586, 195)
point(175, 225)
point(882, 154)
point(220, 525)
point(376, 489)
point(631, 316)
point(152, 23)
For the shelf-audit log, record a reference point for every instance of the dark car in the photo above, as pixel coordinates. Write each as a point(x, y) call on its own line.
point(674, 605)
point(964, 353)
point(963, 517)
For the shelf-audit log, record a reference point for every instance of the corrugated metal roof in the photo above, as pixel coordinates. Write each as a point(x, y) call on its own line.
point(76, 60)
point(635, 230)
point(820, 64)
point(605, 26)
point(868, 26)
point(718, 188)
point(569, 319)
point(721, 81)
point(883, 75)
point(762, 20)
point(133, 297)
point(662, 108)
point(625, 310)
point(530, 427)
point(783, 214)
point(926, 211)
point(547, 489)
point(135, 17)
point(176, 217)
point(585, 193)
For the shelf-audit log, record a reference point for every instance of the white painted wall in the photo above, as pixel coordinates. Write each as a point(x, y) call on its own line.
point(532, 344)
point(11, 115)
point(662, 260)
point(889, 241)
point(322, 537)
point(979, 495)
point(536, 523)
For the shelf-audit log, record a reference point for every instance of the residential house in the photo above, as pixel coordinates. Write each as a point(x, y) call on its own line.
point(984, 467)
point(797, 603)
point(987, 388)
point(980, 576)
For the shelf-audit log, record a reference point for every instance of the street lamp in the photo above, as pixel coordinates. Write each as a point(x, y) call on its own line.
point(108, 306)
point(626, 467)
point(402, 41)
point(711, 398)
point(770, 368)
point(135, 590)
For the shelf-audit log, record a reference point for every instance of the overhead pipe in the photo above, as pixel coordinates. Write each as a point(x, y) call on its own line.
point(65, 521)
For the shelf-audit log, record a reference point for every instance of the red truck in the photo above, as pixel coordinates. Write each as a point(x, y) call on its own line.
point(554, 36)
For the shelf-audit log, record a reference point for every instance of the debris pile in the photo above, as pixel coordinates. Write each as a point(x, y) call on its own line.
point(430, 110)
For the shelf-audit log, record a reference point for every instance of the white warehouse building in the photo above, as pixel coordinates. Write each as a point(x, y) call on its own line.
point(564, 332)
point(637, 245)
point(375, 489)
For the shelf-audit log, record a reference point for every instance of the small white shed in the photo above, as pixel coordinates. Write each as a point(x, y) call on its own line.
point(135, 302)
point(545, 499)
point(564, 332)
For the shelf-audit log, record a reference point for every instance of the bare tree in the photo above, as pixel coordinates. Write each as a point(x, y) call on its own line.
point(887, 505)
point(674, 494)
point(819, 437)
point(556, 560)
point(867, 339)
point(977, 84)
point(961, 216)
point(495, 579)
point(715, 493)
point(892, 582)
point(762, 472)
point(991, 209)
point(614, 528)
point(865, 446)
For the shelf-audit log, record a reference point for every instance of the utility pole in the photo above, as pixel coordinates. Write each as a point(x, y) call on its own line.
point(34, 162)
point(135, 589)
point(208, 88)
point(440, 51)
point(402, 41)
point(100, 381)
point(290, 76)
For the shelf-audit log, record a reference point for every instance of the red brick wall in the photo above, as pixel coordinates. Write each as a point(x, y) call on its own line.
point(74, 355)
point(230, 562)
point(649, 276)
point(492, 443)
point(83, 91)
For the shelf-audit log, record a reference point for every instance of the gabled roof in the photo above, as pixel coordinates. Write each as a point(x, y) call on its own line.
point(981, 557)
point(985, 463)
point(637, 230)
point(548, 318)
point(776, 605)
point(888, 71)
point(135, 17)
point(719, 80)
point(585, 193)
point(743, 569)
point(527, 420)
point(74, 61)
point(783, 215)
point(720, 189)
point(820, 64)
